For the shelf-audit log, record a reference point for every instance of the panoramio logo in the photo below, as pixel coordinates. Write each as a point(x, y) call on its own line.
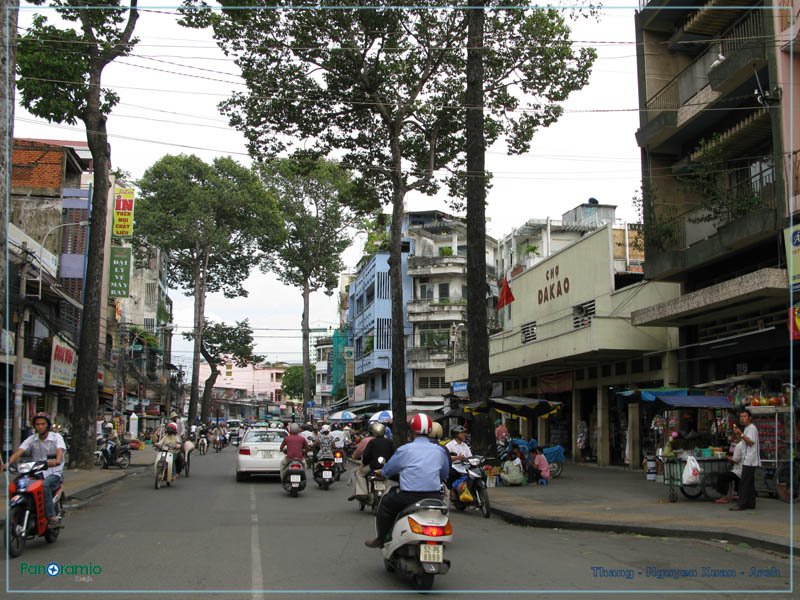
point(54, 569)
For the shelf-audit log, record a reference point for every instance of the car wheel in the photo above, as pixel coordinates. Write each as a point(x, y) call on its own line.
point(241, 476)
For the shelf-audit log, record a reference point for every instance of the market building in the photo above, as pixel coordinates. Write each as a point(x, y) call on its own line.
point(567, 337)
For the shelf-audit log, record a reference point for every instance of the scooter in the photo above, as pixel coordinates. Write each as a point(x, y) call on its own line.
point(418, 539)
point(104, 455)
point(202, 444)
point(323, 472)
point(377, 486)
point(472, 469)
point(338, 464)
point(555, 456)
point(294, 478)
point(26, 518)
point(162, 468)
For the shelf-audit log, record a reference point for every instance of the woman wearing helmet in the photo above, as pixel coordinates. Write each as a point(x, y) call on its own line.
point(377, 447)
point(324, 443)
point(421, 466)
point(171, 441)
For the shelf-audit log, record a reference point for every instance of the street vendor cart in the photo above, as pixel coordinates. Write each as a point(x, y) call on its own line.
point(710, 467)
point(774, 476)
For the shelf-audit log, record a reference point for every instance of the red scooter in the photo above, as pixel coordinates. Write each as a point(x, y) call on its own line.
point(26, 518)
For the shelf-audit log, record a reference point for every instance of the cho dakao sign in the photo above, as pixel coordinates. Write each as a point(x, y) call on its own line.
point(123, 213)
point(63, 364)
point(556, 285)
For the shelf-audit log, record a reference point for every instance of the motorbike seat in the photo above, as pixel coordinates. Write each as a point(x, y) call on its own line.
point(424, 504)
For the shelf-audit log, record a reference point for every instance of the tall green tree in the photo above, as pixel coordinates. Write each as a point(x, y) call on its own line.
point(314, 197)
point(213, 222)
point(293, 382)
point(60, 72)
point(221, 343)
point(383, 87)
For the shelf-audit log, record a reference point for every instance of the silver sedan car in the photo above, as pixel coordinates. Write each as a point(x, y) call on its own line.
point(259, 453)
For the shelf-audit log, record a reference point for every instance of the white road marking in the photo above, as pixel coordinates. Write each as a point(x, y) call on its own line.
point(257, 576)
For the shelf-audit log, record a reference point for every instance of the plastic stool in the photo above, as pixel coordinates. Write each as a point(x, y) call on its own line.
point(543, 482)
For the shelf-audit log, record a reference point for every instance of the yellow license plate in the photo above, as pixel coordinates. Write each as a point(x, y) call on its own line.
point(433, 554)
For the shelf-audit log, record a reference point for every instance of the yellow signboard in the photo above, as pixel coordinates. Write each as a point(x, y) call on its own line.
point(123, 213)
point(791, 236)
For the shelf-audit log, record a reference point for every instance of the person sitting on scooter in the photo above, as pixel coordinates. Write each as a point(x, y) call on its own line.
point(421, 467)
point(538, 467)
point(377, 447)
point(294, 446)
point(44, 445)
point(171, 441)
point(324, 443)
point(457, 450)
point(112, 440)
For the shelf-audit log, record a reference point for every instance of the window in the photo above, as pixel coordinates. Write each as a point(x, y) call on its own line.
point(620, 368)
point(592, 373)
point(382, 281)
point(278, 377)
point(383, 338)
point(370, 294)
point(464, 293)
point(528, 332)
point(444, 291)
point(425, 289)
point(654, 363)
point(637, 365)
point(582, 314)
point(151, 293)
point(359, 347)
point(580, 374)
point(606, 370)
point(150, 324)
point(431, 383)
point(372, 384)
point(384, 381)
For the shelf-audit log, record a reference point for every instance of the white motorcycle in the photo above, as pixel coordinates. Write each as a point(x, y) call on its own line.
point(416, 547)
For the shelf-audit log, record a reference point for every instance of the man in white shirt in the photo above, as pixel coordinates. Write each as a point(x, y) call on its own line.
point(458, 445)
point(49, 446)
point(751, 460)
point(338, 438)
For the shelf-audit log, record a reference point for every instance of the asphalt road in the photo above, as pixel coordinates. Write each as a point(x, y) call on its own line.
point(212, 535)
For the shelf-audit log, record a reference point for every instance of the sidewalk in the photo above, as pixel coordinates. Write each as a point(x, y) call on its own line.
point(615, 499)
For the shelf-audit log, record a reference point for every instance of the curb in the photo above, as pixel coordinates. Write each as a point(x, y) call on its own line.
point(734, 538)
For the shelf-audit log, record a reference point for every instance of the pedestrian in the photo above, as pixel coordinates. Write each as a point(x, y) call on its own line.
point(514, 468)
point(734, 476)
point(538, 468)
point(501, 431)
point(751, 460)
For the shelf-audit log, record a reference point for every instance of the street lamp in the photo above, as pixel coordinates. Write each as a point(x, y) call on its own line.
point(41, 248)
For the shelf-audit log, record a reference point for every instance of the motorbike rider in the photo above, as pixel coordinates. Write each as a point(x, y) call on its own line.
point(421, 467)
point(376, 448)
point(171, 441)
point(324, 443)
point(294, 446)
point(337, 435)
point(178, 423)
point(43, 445)
point(112, 440)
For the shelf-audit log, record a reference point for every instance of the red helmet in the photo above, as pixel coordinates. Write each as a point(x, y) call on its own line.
point(421, 424)
point(172, 427)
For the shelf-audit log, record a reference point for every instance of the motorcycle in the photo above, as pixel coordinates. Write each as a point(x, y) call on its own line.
point(338, 464)
point(162, 468)
point(416, 547)
point(104, 455)
point(294, 478)
point(472, 469)
point(202, 444)
point(323, 472)
point(377, 486)
point(26, 518)
point(555, 456)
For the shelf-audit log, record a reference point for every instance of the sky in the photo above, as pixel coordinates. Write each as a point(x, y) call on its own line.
point(172, 83)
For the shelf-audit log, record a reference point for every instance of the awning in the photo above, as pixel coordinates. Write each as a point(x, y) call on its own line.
point(530, 408)
point(650, 394)
point(670, 402)
point(741, 378)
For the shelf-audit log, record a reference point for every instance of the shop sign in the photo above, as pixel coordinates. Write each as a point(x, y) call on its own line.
point(458, 386)
point(556, 286)
point(63, 364)
point(119, 272)
point(33, 375)
point(7, 346)
point(123, 213)
point(153, 410)
point(794, 322)
point(791, 236)
point(360, 393)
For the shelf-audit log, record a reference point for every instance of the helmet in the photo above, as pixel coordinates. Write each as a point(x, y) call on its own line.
point(457, 429)
point(325, 429)
point(173, 415)
point(108, 426)
point(294, 428)
point(172, 427)
point(421, 424)
point(44, 416)
point(436, 430)
point(377, 429)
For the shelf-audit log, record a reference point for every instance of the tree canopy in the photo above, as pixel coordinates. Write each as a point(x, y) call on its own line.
point(292, 382)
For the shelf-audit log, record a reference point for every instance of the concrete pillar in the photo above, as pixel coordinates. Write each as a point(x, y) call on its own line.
point(576, 418)
point(669, 369)
point(635, 433)
point(541, 431)
point(603, 441)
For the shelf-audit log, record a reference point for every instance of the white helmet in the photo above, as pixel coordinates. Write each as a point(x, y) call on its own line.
point(325, 429)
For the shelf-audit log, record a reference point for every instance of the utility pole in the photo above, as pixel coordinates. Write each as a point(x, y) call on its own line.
point(19, 364)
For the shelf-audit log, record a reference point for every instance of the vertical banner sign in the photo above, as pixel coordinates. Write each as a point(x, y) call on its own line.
point(120, 272)
point(794, 322)
point(123, 213)
point(791, 236)
point(63, 364)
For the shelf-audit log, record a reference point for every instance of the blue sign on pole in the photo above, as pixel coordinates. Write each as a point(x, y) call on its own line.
point(458, 386)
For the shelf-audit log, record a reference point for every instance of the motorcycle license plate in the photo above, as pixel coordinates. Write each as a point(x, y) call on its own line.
point(338, 459)
point(294, 478)
point(327, 474)
point(432, 554)
point(380, 486)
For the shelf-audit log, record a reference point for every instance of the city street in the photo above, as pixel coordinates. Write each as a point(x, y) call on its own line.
point(210, 533)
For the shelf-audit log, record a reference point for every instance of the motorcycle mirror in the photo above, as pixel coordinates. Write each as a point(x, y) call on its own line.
point(381, 460)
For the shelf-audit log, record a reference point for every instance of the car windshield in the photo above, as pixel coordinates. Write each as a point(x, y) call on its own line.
point(265, 436)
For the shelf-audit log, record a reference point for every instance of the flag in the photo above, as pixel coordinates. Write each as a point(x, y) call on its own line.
point(506, 297)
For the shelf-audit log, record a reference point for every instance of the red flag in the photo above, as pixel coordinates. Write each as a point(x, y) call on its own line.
point(506, 297)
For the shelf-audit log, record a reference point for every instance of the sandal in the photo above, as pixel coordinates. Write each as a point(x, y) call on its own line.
point(721, 501)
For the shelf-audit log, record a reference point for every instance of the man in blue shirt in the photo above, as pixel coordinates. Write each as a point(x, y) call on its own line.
point(422, 467)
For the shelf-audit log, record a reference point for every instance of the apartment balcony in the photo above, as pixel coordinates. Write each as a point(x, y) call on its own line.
point(427, 358)
point(420, 311)
point(665, 15)
point(427, 266)
point(744, 49)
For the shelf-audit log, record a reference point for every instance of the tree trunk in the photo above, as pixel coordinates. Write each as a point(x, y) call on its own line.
point(197, 325)
point(209, 387)
point(307, 394)
point(8, 61)
point(399, 424)
point(478, 348)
